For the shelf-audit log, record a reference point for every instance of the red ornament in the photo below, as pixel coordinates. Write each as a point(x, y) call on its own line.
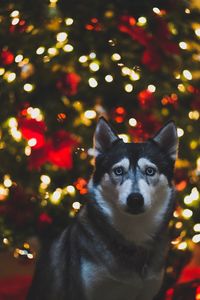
point(68, 84)
point(60, 149)
point(6, 57)
point(33, 129)
point(146, 99)
point(147, 125)
point(45, 218)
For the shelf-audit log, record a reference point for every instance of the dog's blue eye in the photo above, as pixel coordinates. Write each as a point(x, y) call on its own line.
point(150, 171)
point(118, 171)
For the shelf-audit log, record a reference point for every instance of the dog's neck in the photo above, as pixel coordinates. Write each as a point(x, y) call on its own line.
point(124, 255)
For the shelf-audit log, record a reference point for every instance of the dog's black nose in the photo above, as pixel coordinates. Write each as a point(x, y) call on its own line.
point(135, 203)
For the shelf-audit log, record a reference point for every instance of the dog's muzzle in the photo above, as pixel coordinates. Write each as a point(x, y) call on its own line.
point(135, 203)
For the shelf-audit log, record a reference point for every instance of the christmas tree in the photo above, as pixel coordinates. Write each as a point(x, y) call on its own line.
point(61, 67)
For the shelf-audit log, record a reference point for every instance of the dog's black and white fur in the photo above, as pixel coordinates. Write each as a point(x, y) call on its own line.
point(116, 248)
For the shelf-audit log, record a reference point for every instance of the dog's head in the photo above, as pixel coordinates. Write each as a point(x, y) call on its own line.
point(133, 178)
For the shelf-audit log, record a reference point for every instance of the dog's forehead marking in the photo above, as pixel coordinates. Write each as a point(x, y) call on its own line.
point(144, 162)
point(124, 162)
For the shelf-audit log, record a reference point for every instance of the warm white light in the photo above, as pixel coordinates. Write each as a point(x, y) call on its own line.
point(14, 14)
point(7, 181)
point(142, 21)
point(61, 36)
point(126, 71)
point(183, 45)
point(108, 78)
point(151, 88)
point(181, 87)
point(70, 190)
point(94, 66)
point(69, 21)
point(16, 134)
point(124, 137)
point(45, 179)
point(90, 114)
point(11, 77)
point(156, 10)
point(134, 76)
point(92, 55)
point(12, 122)
point(187, 213)
point(18, 58)
point(197, 32)
point(32, 142)
point(28, 87)
point(116, 57)
point(197, 227)
point(194, 115)
point(40, 50)
point(180, 132)
point(83, 59)
point(76, 205)
point(128, 88)
point(52, 51)
point(196, 238)
point(187, 74)
point(68, 48)
point(15, 21)
point(27, 151)
point(92, 82)
point(132, 122)
point(182, 246)
point(55, 199)
point(2, 71)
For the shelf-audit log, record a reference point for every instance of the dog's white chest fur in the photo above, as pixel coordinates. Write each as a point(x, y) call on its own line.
point(98, 284)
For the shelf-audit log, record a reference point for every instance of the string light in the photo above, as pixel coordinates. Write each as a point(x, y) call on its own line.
point(187, 74)
point(70, 189)
point(132, 122)
point(32, 142)
point(124, 137)
point(180, 132)
point(7, 181)
point(142, 21)
point(197, 227)
point(28, 87)
point(92, 82)
point(69, 21)
point(156, 10)
point(194, 115)
point(52, 51)
point(134, 76)
point(197, 32)
point(61, 36)
point(92, 55)
point(128, 88)
point(55, 198)
point(151, 88)
point(45, 179)
point(182, 246)
point(14, 14)
point(196, 238)
point(108, 78)
point(90, 114)
point(116, 57)
point(183, 45)
point(187, 213)
point(10, 77)
point(40, 50)
point(76, 205)
point(19, 58)
point(83, 59)
point(94, 66)
point(68, 48)
point(2, 71)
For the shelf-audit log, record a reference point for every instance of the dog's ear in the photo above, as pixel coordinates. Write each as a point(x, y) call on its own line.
point(104, 136)
point(167, 139)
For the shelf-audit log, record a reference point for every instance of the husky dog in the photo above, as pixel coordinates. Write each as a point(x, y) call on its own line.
point(116, 247)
